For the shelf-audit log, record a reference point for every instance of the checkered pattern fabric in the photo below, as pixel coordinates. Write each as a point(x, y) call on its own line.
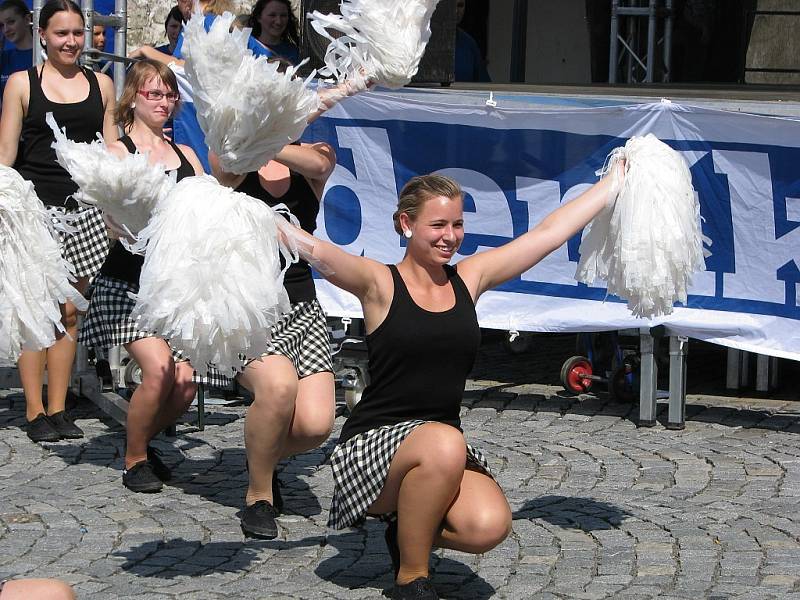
point(360, 467)
point(87, 248)
point(107, 322)
point(301, 336)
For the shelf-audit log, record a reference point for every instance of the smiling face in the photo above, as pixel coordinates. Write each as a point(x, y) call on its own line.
point(16, 28)
point(437, 231)
point(63, 37)
point(154, 113)
point(273, 20)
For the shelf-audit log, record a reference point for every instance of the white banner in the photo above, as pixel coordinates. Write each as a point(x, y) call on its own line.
point(518, 164)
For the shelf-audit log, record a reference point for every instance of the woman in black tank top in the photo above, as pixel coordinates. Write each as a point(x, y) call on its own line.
point(402, 454)
point(82, 102)
point(148, 100)
point(292, 383)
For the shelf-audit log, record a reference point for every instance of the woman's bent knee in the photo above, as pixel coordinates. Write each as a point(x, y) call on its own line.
point(441, 447)
point(490, 528)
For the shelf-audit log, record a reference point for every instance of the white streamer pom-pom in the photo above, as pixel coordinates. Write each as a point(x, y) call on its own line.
point(381, 41)
point(211, 282)
point(127, 189)
point(34, 278)
point(247, 108)
point(647, 244)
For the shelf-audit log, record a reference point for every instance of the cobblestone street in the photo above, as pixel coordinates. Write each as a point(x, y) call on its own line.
point(602, 509)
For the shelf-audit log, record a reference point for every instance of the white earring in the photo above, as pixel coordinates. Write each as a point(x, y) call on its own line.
point(133, 104)
point(407, 234)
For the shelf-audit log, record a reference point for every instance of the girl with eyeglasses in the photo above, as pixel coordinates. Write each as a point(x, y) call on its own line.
point(82, 102)
point(150, 98)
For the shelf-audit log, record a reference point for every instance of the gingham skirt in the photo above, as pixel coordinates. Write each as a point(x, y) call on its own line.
point(87, 248)
point(360, 467)
point(301, 336)
point(108, 321)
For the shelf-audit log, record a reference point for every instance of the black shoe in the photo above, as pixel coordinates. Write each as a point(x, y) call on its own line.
point(140, 478)
point(419, 589)
point(41, 429)
point(391, 543)
point(160, 469)
point(258, 520)
point(277, 499)
point(65, 426)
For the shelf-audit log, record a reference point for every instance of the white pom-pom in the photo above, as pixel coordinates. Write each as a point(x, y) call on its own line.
point(647, 244)
point(211, 282)
point(381, 41)
point(247, 108)
point(34, 278)
point(126, 188)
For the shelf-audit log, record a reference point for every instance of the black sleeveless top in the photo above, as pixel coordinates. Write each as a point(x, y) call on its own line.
point(121, 264)
point(301, 200)
point(36, 159)
point(418, 361)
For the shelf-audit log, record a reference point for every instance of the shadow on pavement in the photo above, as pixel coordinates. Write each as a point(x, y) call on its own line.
point(586, 514)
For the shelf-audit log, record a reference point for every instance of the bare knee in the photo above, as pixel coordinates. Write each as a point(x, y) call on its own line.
point(184, 388)
point(311, 429)
point(276, 395)
point(160, 378)
point(52, 589)
point(488, 527)
point(444, 449)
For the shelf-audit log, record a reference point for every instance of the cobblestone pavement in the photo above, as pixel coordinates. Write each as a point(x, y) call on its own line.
point(602, 509)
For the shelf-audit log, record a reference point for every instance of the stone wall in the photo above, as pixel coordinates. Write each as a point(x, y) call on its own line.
point(146, 19)
point(774, 43)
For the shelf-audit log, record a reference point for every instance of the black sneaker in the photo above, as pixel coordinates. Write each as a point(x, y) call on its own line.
point(391, 543)
point(65, 426)
point(419, 589)
point(258, 520)
point(277, 499)
point(41, 429)
point(160, 469)
point(140, 478)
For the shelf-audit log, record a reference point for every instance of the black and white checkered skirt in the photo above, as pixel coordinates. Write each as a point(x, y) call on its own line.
point(108, 321)
point(360, 467)
point(87, 248)
point(301, 336)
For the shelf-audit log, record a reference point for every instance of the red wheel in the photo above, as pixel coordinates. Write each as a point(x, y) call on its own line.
point(575, 375)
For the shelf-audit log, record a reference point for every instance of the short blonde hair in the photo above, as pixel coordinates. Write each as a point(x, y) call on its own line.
point(420, 189)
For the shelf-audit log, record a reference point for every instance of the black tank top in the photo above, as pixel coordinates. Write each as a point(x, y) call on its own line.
point(418, 361)
point(36, 159)
point(121, 264)
point(301, 200)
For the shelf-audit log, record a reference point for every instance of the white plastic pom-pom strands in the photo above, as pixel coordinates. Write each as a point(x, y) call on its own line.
point(211, 282)
point(647, 243)
point(34, 278)
point(246, 107)
point(127, 189)
point(380, 41)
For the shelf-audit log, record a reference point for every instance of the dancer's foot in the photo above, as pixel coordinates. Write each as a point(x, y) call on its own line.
point(65, 426)
point(419, 589)
point(258, 520)
point(141, 478)
point(41, 429)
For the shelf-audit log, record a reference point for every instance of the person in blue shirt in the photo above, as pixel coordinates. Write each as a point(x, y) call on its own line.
point(173, 25)
point(18, 55)
point(275, 26)
point(186, 129)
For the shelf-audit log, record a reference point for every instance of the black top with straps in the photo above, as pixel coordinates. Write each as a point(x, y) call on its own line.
point(418, 361)
point(121, 264)
point(301, 200)
point(36, 159)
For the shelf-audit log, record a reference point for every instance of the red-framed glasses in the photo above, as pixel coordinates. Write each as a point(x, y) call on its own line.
point(158, 95)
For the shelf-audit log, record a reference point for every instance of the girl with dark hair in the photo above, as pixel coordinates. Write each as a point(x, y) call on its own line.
point(172, 27)
point(150, 97)
point(275, 26)
point(83, 102)
point(15, 19)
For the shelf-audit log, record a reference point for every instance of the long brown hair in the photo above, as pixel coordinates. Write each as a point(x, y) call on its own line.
point(140, 72)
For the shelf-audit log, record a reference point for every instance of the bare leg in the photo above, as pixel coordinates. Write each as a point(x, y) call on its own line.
point(422, 482)
point(164, 394)
point(31, 372)
point(28, 589)
point(273, 382)
point(313, 416)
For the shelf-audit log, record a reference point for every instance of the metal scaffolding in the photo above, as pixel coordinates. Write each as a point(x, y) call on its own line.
point(632, 57)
